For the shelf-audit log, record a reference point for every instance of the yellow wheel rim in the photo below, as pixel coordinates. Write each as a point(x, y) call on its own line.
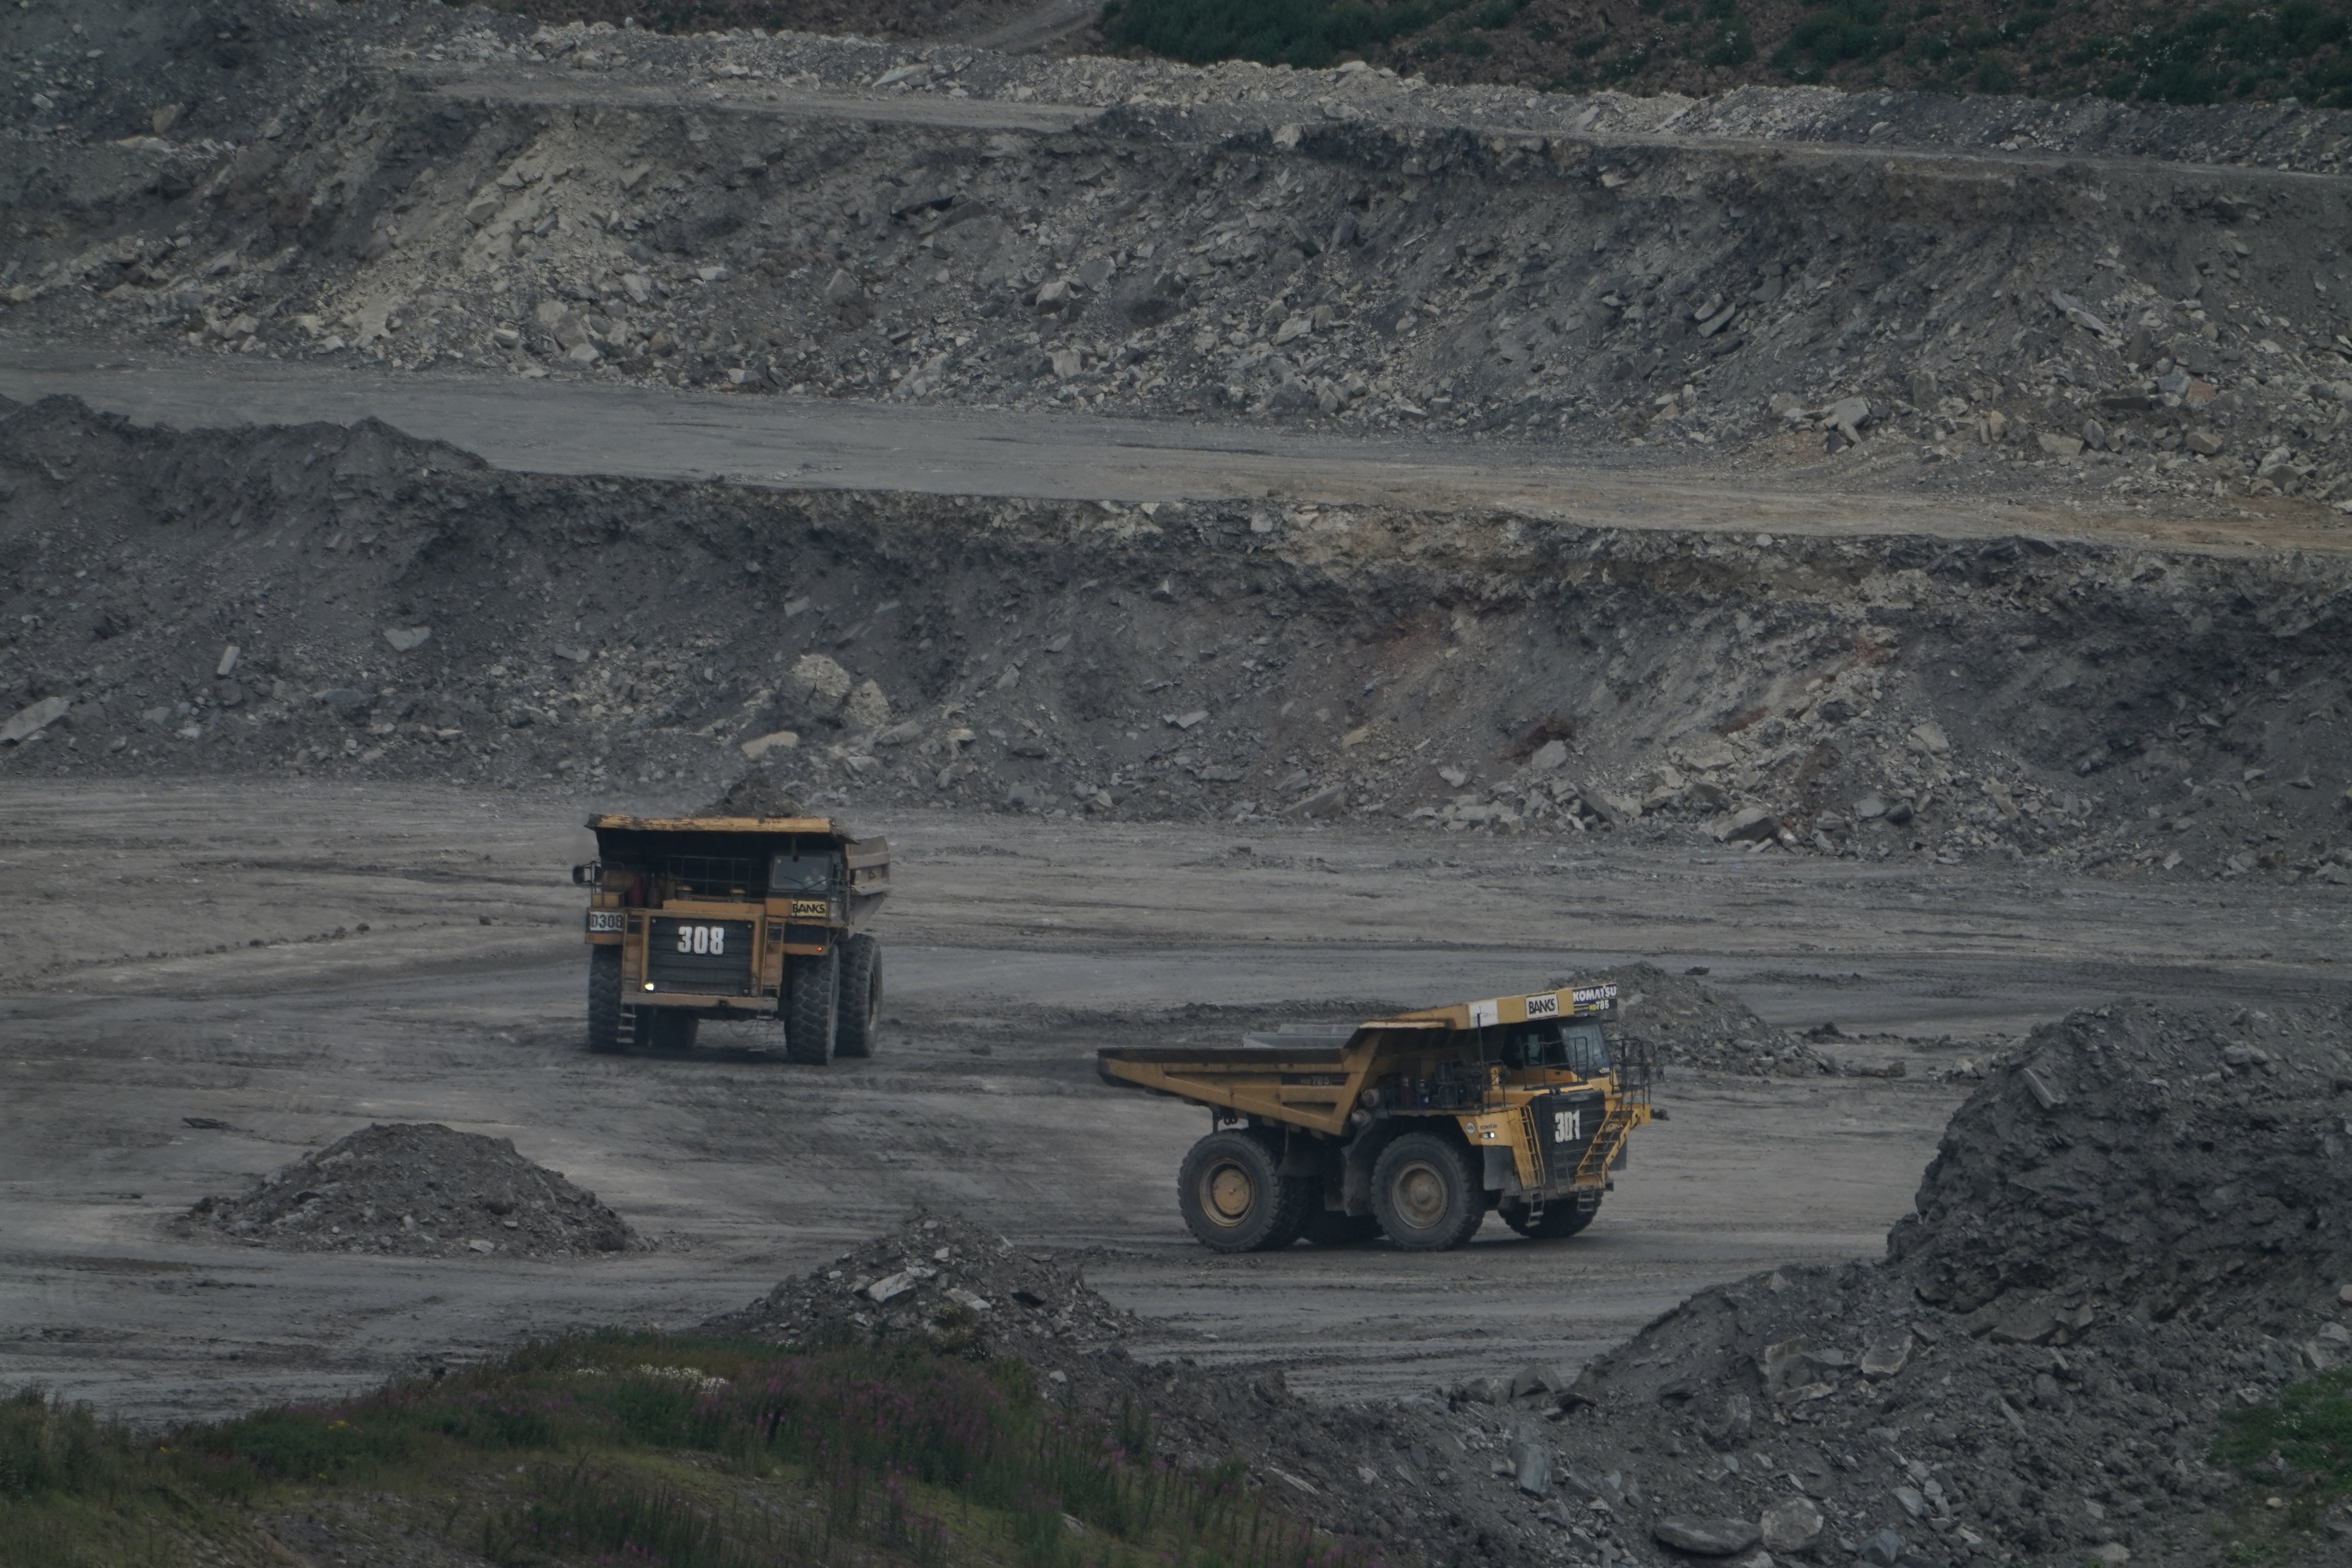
point(1227, 1193)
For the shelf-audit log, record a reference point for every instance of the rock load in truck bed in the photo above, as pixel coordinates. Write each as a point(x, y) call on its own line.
point(418, 1189)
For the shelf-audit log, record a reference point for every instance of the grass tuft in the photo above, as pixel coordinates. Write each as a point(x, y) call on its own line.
point(675, 1453)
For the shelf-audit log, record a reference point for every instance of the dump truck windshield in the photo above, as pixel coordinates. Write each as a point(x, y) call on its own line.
point(800, 874)
point(1579, 1047)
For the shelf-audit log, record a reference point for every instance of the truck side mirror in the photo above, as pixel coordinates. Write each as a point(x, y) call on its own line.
point(594, 871)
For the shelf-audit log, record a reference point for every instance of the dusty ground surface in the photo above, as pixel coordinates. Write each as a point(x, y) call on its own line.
point(1015, 950)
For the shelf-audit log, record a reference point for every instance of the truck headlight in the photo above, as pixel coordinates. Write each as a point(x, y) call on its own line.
point(606, 919)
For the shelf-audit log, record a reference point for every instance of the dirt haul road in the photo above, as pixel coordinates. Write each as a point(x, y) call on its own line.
point(579, 429)
point(416, 961)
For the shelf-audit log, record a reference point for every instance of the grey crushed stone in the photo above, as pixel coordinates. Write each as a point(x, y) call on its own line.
point(417, 1189)
point(1783, 698)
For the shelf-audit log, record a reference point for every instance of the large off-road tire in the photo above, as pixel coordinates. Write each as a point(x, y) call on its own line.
point(812, 1001)
point(667, 1029)
point(1329, 1227)
point(604, 999)
point(1426, 1194)
point(861, 997)
point(1234, 1198)
point(1560, 1219)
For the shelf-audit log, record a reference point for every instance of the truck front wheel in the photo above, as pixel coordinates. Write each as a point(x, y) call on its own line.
point(861, 997)
point(812, 998)
point(1426, 1194)
point(604, 999)
point(1233, 1197)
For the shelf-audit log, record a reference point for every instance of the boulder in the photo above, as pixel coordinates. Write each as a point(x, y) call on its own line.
point(866, 707)
point(773, 740)
point(1793, 1524)
point(31, 721)
point(1747, 827)
point(1705, 1537)
point(820, 677)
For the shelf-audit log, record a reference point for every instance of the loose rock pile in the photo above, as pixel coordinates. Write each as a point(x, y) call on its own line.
point(419, 1190)
point(1680, 1021)
point(1346, 248)
point(941, 1279)
point(316, 600)
point(2144, 1220)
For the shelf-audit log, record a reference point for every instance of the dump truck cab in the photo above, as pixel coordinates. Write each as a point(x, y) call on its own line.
point(733, 918)
point(1413, 1126)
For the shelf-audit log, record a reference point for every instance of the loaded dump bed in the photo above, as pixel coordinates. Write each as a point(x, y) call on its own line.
point(1528, 1084)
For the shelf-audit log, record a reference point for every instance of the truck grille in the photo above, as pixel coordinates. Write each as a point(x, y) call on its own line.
point(713, 957)
point(1565, 1127)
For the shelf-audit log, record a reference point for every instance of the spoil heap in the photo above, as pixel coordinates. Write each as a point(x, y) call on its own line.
point(942, 1277)
point(2143, 1221)
point(1680, 1021)
point(1240, 660)
point(418, 1189)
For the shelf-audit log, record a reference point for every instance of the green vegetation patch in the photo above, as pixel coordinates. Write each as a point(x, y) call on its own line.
point(2297, 1451)
point(1835, 33)
point(666, 1452)
point(1307, 33)
point(2218, 53)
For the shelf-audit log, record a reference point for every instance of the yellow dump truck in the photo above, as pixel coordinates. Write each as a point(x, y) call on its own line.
point(733, 917)
point(1411, 1127)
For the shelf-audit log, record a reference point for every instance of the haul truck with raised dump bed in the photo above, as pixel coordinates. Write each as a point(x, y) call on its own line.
point(1411, 1127)
point(733, 917)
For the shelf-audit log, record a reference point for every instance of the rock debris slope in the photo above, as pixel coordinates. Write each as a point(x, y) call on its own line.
point(1915, 292)
point(419, 1190)
point(351, 603)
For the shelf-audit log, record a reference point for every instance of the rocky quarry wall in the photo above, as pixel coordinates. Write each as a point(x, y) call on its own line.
point(353, 603)
point(1981, 295)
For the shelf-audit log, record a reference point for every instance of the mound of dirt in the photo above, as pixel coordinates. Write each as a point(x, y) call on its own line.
point(943, 1278)
point(1680, 1021)
point(2137, 1223)
point(418, 1189)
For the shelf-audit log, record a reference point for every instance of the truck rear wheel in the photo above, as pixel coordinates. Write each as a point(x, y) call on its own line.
point(1234, 1198)
point(1426, 1194)
point(1329, 1227)
point(1560, 1219)
point(861, 997)
point(604, 999)
point(811, 999)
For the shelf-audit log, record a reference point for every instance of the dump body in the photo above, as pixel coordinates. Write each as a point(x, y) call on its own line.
point(708, 913)
point(1527, 1084)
